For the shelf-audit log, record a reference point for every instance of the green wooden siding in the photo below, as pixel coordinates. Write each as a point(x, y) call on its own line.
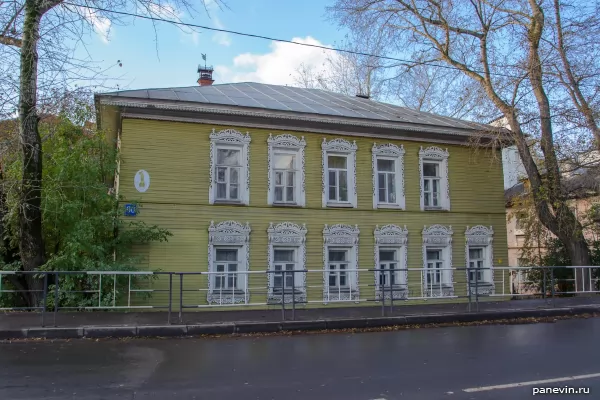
point(176, 155)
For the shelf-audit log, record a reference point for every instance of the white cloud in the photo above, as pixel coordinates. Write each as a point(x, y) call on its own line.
point(221, 38)
point(195, 38)
point(278, 67)
point(100, 24)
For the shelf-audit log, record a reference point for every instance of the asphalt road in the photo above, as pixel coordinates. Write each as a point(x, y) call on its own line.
point(417, 364)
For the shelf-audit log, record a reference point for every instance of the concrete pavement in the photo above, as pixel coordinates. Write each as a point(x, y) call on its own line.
point(415, 364)
point(149, 324)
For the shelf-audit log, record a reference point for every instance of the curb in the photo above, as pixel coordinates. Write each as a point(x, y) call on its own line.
point(283, 326)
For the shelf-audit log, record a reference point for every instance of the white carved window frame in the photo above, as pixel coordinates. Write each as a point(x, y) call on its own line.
point(288, 235)
point(440, 156)
point(230, 138)
point(392, 237)
point(438, 237)
point(344, 148)
point(228, 234)
point(287, 144)
point(389, 151)
point(482, 237)
point(341, 236)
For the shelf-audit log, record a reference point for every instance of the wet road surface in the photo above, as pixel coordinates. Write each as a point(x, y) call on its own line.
point(416, 364)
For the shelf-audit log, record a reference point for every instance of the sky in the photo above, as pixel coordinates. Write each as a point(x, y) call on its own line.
point(170, 57)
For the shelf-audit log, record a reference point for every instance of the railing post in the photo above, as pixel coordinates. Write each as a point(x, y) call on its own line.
point(170, 295)
point(380, 274)
point(283, 276)
point(552, 287)
point(544, 283)
point(180, 297)
point(55, 296)
point(477, 289)
point(391, 295)
point(294, 296)
point(44, 300)
point(469, 288)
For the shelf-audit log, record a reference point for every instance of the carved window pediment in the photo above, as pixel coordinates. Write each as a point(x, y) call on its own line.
point(228, 232)
point(341, 145)
point(479, 235)
point(341, 233)
point(391, 234)
point(433, 153)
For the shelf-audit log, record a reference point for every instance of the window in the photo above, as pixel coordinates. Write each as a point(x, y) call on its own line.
point(475, 265)
point(339, 173)
point(340, 255)
point(433, 167)
point(388, 176)
point(285, 178)
point(230, 174)
point(479, 252)
point(226, 265)
point(388, 266)
point(228, 262)
point(431, 184)
point(437, 261)
point(435, 267)
point(390, 262)
point(229, 166)
point(338, 268)
point(287, 275)
point(286, 170)
point(520, 222)
point(284, 264)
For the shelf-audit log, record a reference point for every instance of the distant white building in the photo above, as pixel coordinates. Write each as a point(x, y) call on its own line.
point(513, 168)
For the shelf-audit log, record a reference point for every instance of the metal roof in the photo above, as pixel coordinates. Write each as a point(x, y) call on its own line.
point(295, 100)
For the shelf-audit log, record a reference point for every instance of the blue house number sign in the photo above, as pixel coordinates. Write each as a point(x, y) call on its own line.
point(130, 210)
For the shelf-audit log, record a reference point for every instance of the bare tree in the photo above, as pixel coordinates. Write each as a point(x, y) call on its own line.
point(346, 72)
point(577, 30)
point(501, 46)
point(36, 41)
point(418, 86)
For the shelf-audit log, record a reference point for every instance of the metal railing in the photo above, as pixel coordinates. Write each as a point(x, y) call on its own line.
point(52, 291)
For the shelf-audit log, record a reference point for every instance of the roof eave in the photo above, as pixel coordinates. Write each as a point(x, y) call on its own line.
point(290, 115)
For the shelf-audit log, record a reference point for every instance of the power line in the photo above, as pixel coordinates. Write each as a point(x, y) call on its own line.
point(359, 53)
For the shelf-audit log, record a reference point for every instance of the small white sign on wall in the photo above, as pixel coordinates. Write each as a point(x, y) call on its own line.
point(141, 180)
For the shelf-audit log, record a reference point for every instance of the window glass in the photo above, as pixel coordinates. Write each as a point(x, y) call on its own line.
point(229, 157)
point(337, 162)
point(431, 169)
point(385, 165)
point(284, 161)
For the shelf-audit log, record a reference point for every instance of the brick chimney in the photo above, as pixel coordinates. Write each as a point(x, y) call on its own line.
point(205, 75)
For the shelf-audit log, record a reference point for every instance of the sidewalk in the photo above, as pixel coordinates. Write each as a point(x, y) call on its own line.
point(195, 322)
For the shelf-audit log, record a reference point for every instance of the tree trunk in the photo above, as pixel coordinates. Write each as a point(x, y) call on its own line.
point(31, 242)
point(551, 205)
point(579, 253)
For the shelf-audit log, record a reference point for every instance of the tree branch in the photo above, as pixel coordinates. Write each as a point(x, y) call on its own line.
point(10, 41)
